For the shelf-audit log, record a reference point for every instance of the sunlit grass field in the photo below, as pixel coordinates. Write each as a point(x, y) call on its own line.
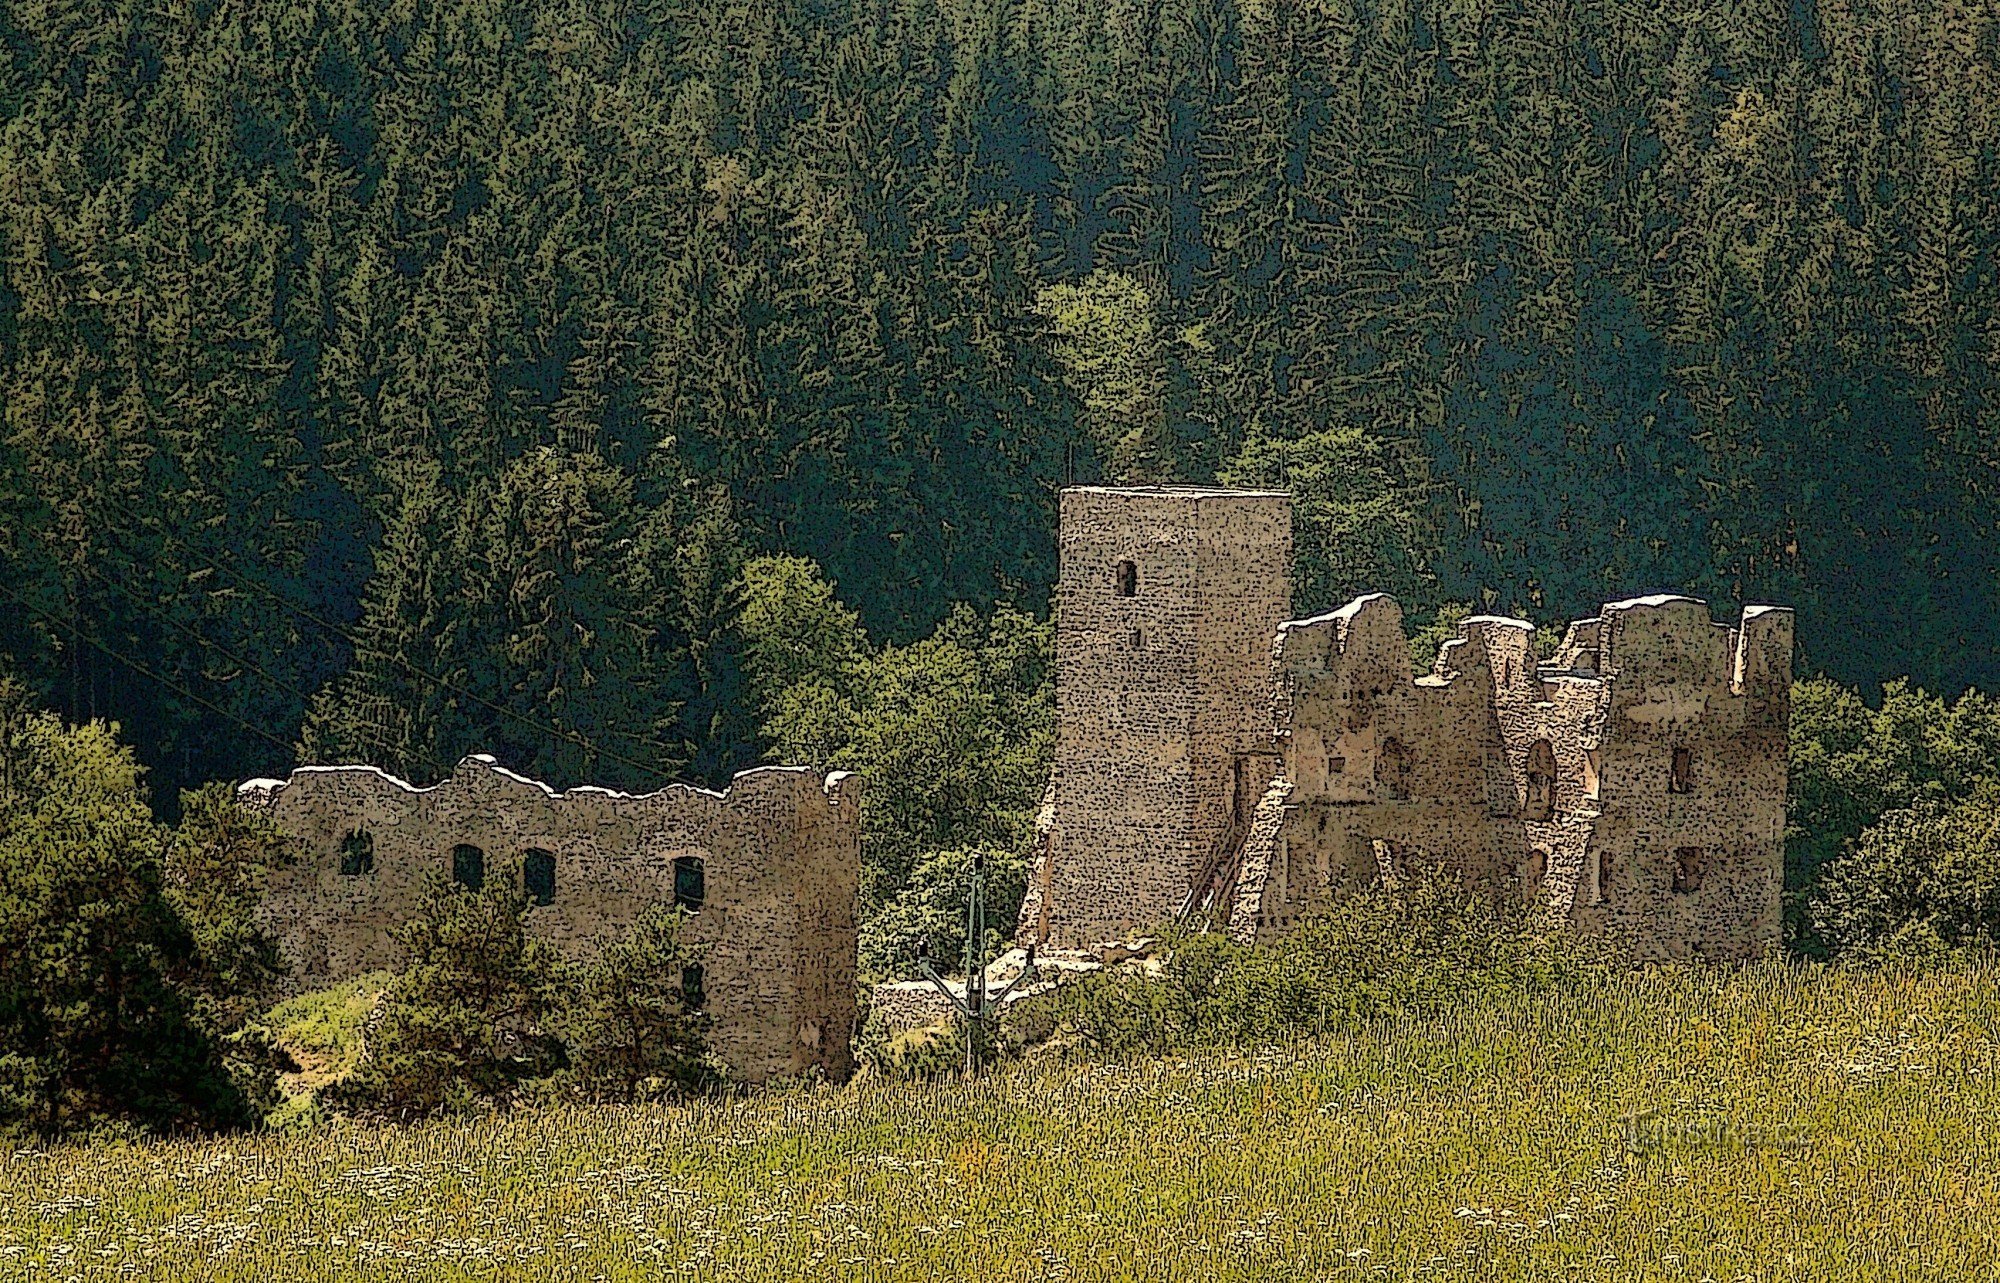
point(1776, 1123)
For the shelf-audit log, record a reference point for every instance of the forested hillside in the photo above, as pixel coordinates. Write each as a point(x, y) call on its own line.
point(394, 380)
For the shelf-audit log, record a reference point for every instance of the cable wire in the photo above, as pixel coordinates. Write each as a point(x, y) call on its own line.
point(142, 669)
point(575, 737)
point(303, 696)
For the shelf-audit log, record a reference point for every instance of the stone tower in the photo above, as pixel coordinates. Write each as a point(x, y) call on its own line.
point(1167, 603)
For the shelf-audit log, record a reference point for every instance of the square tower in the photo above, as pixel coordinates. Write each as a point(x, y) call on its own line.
point(1168, 600)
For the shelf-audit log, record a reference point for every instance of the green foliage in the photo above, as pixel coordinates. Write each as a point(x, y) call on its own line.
point(542, 615)
point(927, 917)
point(1104, 333)
point(953, 734)
point(468, 1019)
point(401, 412)
point(915, 1055)
point(482, 1014)
point(1852, 765)
point(1420, 948)
point(795, 631)
point(328, 1027)
point(1923, 879)
point(123, 984)
point(1357, 520)
point(213, 875)
point(1830, 1119)
point(625, 1023)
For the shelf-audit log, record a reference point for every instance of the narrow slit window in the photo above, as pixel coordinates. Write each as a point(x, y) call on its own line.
point(1138, 639)
point(468, 866)
point(1688, 864)
point(1541, 801)
point(538, 876)
point(694, 994)
point(357, 853)
point(1680, 778)
point(1534, 872)
point(1127, 579)
point(690, 883)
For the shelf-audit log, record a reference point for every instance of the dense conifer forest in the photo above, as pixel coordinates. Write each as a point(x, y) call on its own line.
point(390, 381)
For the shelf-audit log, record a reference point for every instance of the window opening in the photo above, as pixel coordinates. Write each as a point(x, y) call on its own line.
point(538, 875)
point(357, 853)
point(1687, 869)
point(1541, 781)
point(690, 883)
point(468, 866)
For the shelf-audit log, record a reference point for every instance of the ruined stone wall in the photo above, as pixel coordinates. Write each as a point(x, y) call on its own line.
point(1166, 603)
point(780, 863)
point(1634, 786)
point(1687, 850)
point(1384, 775)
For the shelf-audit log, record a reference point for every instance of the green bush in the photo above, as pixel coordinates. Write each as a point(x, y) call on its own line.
point(1424, 946)
point(935, 1051)
point(468, 1018)
point(626, 1027)
point(1924, 879)
point(929, 912)
point(1853, 767)
point(483, 1015)
point(129, 960)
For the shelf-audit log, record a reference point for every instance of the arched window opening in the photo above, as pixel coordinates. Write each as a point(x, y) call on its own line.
point(694, 996)
point(538, 875)
point(1681, 778)
point(1392, 769)
point(357, 853)
point(690, 883)
point(1688, 868)
point(1128, 579)
point(468, 866)
point(1533, 871)
point(1541, 802)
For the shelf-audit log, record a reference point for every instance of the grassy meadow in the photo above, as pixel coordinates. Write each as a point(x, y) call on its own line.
point(1774, 1123)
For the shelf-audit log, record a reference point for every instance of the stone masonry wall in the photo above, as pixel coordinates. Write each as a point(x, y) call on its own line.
point(1634, 786)
point(1166, 602)
point(780, 862)
point(1384, 775)
point(1212, 756)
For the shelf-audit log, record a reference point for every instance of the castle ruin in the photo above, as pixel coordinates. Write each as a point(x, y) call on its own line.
point(768, 871)
point(1215, 756)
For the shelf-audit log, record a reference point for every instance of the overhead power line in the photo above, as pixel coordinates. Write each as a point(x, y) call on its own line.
point(168, 682)
point(443, 683)
point(305, 697)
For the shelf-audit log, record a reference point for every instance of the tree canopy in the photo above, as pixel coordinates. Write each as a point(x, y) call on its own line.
point(401, 381)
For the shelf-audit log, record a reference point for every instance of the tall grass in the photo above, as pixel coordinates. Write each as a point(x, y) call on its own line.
point(1805, 1124)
